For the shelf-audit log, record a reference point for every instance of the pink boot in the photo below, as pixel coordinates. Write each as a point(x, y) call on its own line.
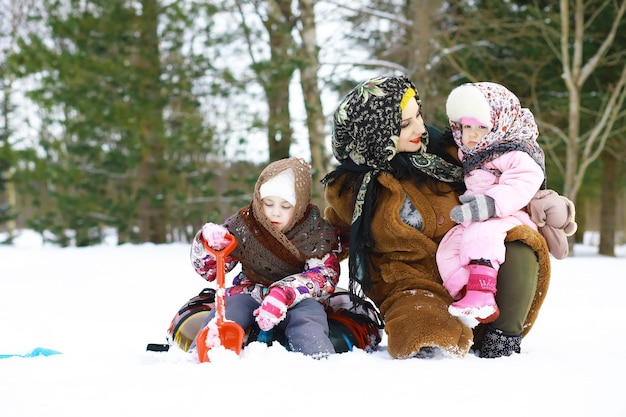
point(479, 304)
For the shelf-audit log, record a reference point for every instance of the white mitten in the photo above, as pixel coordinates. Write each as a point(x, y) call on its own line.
point(215, 235)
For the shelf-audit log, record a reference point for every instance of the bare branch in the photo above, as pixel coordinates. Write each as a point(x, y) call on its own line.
point(593, 62)
point(602, 129)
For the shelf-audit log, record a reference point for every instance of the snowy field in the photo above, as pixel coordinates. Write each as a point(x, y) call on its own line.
point(100, 306)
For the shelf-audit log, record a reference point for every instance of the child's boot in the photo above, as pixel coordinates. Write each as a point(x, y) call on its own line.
point(479, 304)
point(496, 344)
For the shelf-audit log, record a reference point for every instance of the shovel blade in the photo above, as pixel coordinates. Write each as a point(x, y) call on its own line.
point(231, 336)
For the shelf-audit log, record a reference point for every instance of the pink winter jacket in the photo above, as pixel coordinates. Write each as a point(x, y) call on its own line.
point(511, 180)
point(520, 179)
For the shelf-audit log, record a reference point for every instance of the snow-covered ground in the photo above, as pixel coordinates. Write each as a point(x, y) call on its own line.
point(100, 306)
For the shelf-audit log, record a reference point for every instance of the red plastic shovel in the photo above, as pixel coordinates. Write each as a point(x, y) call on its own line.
point(230, 333)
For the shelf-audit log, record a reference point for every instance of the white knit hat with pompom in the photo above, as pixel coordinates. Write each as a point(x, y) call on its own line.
point(467, 101)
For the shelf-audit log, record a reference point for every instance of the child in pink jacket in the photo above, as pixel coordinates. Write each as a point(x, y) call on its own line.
point(504, 168)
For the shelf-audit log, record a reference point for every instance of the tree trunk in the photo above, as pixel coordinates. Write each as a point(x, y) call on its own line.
point(309, 66)
point(155, 219)
point(420, 51)
point(276, 78)
point(608, 215)
point(11, 224)
point(581, 220)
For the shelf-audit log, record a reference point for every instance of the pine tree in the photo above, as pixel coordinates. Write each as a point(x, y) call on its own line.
point(125, 131)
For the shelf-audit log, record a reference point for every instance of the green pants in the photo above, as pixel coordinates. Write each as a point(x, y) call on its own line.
point(517, 284)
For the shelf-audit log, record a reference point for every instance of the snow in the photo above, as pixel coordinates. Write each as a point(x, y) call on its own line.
point(101, 305)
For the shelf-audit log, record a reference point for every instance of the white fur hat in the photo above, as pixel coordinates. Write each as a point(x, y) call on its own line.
point(282, 185)
point(467, 101)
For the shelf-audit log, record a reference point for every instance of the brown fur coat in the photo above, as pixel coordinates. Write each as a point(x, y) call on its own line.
point(408, 288)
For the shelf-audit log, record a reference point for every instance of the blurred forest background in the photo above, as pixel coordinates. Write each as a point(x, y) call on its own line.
point(151, 117)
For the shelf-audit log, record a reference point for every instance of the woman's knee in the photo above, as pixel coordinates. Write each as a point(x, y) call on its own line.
point(517, 284)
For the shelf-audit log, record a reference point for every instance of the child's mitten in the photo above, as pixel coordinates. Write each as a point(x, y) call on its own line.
point(215, 235)
point(273, 309)
point(475, 208)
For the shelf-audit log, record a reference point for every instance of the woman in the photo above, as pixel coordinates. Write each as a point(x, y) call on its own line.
point(392, 195)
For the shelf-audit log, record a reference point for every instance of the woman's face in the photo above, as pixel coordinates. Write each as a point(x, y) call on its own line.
point(412, 128)
point(278, 211)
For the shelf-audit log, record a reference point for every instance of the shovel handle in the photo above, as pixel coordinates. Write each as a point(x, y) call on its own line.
point(231, 334)
point(220, 255)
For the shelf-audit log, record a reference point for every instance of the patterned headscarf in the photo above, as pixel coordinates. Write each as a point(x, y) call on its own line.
point(267, 254)
point(366, 129)
point(367, 123)
point(514, 128)
point(302, 190)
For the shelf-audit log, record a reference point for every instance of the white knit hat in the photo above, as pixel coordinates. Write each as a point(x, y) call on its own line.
point(282, 185)
point(467, 101)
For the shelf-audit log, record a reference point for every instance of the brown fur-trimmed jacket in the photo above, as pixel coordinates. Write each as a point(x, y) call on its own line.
point(408, 288)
